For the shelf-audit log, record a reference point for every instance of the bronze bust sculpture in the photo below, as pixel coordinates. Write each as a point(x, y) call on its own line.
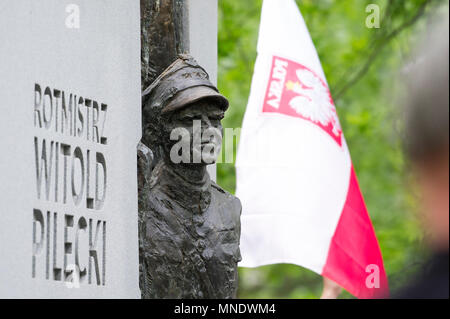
point(190, 227)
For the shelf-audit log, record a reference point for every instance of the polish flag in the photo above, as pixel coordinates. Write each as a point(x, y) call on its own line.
point(300, 196)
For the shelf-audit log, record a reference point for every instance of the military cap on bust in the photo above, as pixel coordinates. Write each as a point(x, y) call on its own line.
point(184, 82)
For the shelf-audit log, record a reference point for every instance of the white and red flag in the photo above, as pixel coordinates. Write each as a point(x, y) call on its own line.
point(300, 196)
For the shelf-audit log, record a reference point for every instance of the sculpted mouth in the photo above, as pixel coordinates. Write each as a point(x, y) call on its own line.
point(208, 142)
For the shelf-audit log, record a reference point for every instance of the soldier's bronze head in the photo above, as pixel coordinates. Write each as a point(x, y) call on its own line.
point(182, 99)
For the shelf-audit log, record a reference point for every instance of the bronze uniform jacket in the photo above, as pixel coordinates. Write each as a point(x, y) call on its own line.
point(189, 253)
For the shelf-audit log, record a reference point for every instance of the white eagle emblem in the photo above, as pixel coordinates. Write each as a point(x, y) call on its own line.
point(313, 100)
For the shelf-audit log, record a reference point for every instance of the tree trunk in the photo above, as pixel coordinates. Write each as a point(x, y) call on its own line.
point(164, 35)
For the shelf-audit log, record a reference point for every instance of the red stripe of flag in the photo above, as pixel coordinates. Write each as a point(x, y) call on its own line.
point(354, 259)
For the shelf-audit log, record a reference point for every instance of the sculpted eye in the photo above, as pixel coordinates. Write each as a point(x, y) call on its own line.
point(190, 118)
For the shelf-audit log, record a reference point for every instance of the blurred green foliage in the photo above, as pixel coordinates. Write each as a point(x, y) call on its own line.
point(368, 111)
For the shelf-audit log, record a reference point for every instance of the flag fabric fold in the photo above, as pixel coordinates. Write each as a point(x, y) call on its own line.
point(300, 196)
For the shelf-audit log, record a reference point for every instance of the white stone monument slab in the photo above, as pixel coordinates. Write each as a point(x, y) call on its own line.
point(69, 126)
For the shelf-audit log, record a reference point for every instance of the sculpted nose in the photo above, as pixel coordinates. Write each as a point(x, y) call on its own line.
point(205, 119)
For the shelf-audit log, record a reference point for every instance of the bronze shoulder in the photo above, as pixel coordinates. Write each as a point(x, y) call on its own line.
point(224, 197)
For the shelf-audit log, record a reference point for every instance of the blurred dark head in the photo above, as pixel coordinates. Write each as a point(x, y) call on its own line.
point(427, 107)
point(427, 130)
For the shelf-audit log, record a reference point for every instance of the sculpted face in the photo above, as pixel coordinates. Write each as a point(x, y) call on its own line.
point(196, 130)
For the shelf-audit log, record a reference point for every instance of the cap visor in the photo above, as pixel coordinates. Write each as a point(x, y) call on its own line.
point(195, 94)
